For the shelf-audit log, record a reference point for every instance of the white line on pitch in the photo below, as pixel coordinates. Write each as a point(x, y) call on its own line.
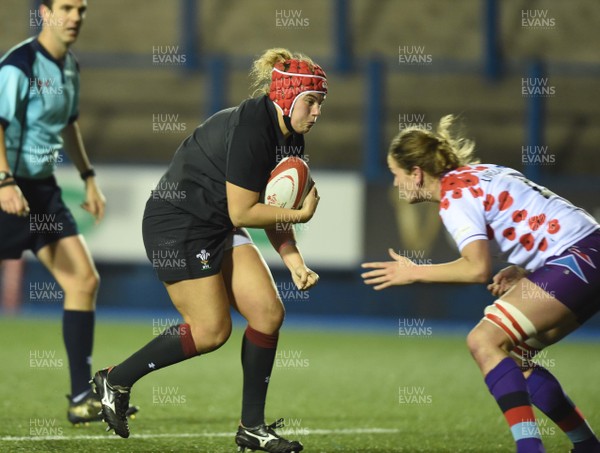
point(191, 435)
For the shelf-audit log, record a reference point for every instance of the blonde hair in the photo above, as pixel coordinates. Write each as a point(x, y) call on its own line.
point(435, 152)
point(260, 74)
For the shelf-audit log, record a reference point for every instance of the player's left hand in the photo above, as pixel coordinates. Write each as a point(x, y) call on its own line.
point(94, 200)
point(304, 278)
point(388, 273)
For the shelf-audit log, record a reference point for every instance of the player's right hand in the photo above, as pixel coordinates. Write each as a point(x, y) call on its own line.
point(310, 204)
point(505, 279)
point(12, 201)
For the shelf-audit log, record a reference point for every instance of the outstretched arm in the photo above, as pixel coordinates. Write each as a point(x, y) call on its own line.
point(474, 266)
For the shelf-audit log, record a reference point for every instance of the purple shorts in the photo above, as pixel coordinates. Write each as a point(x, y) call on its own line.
point(573, 277)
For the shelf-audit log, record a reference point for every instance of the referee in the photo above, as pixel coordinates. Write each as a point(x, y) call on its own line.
point(39, 102)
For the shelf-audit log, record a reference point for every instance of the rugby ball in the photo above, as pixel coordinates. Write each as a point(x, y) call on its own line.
point(288, 184)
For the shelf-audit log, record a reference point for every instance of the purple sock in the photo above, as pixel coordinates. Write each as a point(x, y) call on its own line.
point(549, 397)
point(508, 386)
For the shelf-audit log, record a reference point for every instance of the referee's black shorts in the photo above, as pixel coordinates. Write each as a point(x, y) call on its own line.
point(49, 219)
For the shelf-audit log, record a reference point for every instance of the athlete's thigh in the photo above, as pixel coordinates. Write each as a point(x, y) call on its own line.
point(252, 289)
point(554, 335)
point(541, 308)
point(67, 258)
point(203, 303)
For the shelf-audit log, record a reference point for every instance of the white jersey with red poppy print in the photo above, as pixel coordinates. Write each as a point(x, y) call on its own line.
point(525, 223)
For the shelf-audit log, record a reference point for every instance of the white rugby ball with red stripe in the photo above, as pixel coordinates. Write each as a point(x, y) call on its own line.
point(288, 184)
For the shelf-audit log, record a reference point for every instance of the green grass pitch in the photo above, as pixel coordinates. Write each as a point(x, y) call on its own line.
point(339, 391)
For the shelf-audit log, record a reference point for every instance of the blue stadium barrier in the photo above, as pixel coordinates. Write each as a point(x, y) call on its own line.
point(217, 85)
point(374, 102)
point(344, 58)
point(190, 34)
point(535, 118)
point(491, 51)
point(341, 300)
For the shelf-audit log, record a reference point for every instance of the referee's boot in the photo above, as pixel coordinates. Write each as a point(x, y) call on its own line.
point(114, 400)
point(84, 411)
point(89, 409)
point(264, 438)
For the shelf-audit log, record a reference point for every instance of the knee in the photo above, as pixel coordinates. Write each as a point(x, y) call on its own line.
point(483, 342)
point(479, 342)
point(475, 341)
point(270, 320)
point(276, 316)
point(91, 282)
point(84, 282)
point(208, 338)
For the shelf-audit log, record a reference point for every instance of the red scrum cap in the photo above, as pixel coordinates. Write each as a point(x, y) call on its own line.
point(287, 86)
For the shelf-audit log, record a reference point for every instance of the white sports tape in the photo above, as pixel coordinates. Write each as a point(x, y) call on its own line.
point(527, 351)
point(514, 323)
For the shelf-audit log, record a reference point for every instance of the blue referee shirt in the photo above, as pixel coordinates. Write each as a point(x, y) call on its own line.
point(39, 96)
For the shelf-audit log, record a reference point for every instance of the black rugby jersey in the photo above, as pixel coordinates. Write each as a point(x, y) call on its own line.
point(240, 145)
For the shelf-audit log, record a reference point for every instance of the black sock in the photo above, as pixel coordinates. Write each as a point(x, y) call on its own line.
point(78, 335)
point(172, 346)
point(258, 355)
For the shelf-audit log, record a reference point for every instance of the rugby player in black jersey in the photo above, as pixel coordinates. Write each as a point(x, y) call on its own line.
point(194, 235)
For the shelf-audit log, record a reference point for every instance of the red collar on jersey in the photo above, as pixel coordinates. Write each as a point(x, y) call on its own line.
point(288, 85)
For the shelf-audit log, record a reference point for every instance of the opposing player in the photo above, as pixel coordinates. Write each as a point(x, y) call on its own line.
point(39, 101)
point(197, 215)
point(552, 287)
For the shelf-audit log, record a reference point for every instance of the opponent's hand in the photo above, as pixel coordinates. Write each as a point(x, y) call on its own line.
point(12, 201)
point(310, 204)
point(304, 278)
point(388, 273)
point(505, 279)
point(94, 200)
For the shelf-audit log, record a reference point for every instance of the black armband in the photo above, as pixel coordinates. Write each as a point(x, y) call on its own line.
point(88, 174)
point(8, 183)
